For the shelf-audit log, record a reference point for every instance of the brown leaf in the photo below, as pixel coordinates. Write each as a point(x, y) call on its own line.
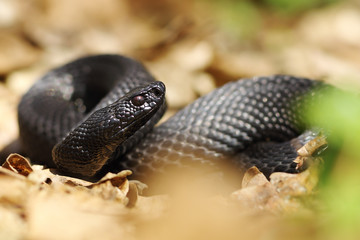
point(116, 180)
point(112, 186)
point(258, 197)
point(132, 195)
point(300, 184)
point(136, 188)
point(253, 177)
point(18, 164)
point(257, 192)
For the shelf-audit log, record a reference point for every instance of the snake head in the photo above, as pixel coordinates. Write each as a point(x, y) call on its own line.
point(125, 116)
point(88, 147)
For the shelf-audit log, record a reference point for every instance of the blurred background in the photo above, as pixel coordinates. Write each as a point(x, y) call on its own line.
point(191, 45)
point(194, 46)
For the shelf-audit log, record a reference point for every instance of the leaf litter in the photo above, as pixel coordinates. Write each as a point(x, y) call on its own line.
point(45, 205)
point(185, 49)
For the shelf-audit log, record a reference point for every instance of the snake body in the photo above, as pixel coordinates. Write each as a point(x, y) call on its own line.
point(76, 108)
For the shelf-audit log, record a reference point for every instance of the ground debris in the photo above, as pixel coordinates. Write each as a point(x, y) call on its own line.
point(50, 206)
point(279, 195)
point(46, 205)
point(187, 50)
point(18, 164)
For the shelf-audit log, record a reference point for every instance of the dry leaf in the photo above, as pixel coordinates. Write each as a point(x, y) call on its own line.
point(300, 184)
point(132, 195)
point(112, 186)
point(18, 164)
point(116, 180)
point(253, 177)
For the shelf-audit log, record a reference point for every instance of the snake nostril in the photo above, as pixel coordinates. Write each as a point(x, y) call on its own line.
point(156, 92)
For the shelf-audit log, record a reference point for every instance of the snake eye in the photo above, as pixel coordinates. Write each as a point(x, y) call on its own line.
point(138, 100)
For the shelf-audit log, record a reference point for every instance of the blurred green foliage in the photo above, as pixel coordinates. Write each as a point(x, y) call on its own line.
point(245, 19)
point(338, 112)
point(295, 6)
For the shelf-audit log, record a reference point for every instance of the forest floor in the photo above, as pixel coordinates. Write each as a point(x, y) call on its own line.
point(193, 47)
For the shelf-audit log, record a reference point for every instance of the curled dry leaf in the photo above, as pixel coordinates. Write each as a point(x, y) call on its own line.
point(300, 184)
point(281, 194)
point(313, 146)
point(253, 177)
point(140, 186)
point(112, 186)
point(306, 152)
point(257, 192)
point(136, 188)
point(259, 197)
point(132, 195)
point(116, 180)
point(108, 192)
point(18, 164)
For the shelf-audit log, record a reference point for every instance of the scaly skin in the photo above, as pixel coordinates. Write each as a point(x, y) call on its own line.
point(238, 122)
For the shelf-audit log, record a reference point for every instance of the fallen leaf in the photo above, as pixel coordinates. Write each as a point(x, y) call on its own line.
point(300, 184)
point(253, 177)
point(18, 164)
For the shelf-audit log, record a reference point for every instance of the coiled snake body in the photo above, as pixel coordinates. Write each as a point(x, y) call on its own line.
point(97, 112)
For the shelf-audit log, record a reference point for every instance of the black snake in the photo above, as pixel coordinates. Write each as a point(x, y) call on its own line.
point(99, 112)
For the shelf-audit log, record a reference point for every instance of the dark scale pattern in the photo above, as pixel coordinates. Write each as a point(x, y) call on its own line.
point(84, 110)
point(227, 121)
point(87, 148)
point(67, 95)
point(272, 157)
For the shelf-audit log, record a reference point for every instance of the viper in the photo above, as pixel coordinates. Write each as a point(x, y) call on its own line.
point(98, 114)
